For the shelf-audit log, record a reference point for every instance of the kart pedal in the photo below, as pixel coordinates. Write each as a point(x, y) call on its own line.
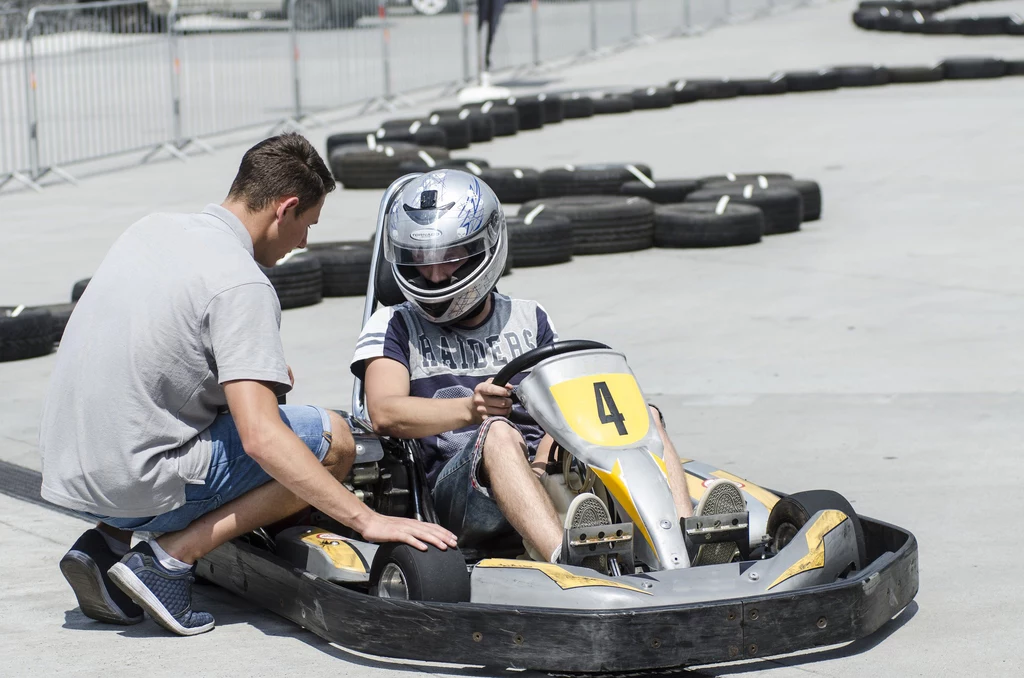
point(584, 545)
point(719, 529)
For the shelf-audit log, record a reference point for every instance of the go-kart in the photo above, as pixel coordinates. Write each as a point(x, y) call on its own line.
point(808, 570)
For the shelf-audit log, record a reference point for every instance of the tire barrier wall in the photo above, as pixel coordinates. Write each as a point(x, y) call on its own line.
point(86, 81)
point(923, 16)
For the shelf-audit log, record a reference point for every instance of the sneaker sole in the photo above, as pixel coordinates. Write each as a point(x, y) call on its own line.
point(721, 498)
point(86, 580)
point(135, 589)
point(589, 512)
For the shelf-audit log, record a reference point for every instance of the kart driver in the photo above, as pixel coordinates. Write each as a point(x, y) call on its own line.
point(428, 364)
point(177, 322)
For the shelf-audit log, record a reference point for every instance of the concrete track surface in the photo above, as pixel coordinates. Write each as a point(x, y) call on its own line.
point(876, 353)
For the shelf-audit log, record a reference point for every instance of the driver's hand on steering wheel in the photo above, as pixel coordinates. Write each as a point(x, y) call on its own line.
point(489, 400)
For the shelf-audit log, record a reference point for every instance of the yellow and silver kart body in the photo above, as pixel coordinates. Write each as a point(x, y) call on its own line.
point(828, 577)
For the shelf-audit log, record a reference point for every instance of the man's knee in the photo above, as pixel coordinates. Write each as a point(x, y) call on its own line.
point(342, 452)
point(503, 440)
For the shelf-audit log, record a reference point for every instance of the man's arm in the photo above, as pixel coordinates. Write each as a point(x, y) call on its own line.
point(283, 455)
point(395, 413)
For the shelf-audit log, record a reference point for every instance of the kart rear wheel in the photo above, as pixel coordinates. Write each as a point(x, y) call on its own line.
point(405, 573)
point(791, 513)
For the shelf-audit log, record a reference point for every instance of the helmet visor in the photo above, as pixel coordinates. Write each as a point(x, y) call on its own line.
point(427, 246)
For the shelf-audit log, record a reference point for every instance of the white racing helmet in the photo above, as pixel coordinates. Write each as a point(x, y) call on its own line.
point(446, 217)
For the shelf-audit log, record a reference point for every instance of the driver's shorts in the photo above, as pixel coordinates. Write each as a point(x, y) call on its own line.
point(232, 472)
point(463, 503)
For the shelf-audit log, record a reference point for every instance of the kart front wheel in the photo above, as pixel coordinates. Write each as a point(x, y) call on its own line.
point(402, 572)
point(791, 513)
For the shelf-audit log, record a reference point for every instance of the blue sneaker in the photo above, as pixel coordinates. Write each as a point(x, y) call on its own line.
point(165, 595)
point(85, 567)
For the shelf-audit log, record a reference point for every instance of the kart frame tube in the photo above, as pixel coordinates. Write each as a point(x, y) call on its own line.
point(619, 640)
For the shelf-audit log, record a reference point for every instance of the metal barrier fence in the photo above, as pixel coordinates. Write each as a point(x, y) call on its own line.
point(91, 80)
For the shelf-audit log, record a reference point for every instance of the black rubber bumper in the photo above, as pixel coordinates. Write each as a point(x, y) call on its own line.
point(586, 641)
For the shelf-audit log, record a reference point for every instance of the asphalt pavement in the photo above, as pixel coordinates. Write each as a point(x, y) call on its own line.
point(876, 352)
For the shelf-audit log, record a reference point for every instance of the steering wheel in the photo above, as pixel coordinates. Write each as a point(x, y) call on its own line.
point(533, 357)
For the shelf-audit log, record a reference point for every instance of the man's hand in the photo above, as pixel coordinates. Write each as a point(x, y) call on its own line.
point(489, 400)
point(380, 528)
point(291, 377)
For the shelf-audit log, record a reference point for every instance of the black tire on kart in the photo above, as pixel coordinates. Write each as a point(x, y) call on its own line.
point(577, 105)
point(707, 225)
point(663, 192)
point(791, 513)
point(346, 266)
point(539, 239)
point(429, 576)
point(297, 281)
point(26, 335)
point(965, 68)
point(595, 179)
point(653, 97)
point(809, 191)
point(79, 288)
point(602, 224)
point(782, 207)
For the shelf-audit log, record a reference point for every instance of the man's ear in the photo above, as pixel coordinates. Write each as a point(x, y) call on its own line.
point(290, 202)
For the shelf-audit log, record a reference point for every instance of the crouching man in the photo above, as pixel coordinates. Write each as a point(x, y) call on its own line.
point(177, 323)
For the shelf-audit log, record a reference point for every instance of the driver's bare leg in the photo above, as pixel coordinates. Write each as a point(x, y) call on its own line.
point(517, 490)
point(676, 474)
point(264, 505)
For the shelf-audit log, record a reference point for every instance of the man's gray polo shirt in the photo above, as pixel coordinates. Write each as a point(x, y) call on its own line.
point(177, 308)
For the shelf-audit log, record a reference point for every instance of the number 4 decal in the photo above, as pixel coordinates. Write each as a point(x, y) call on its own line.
point(607, 412)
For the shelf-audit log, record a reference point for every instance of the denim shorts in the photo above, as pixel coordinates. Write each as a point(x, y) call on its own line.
point(464, 505)
point(232, 472)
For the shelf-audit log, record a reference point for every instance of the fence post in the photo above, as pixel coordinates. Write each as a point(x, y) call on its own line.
point(293, 38)
point(687, 17)
point(727, 4)
point(32, 113)
point(172, 38)
point(593, 26)
point(466, 18)
point(634, 30)
point(535, 30)
point(382, 12)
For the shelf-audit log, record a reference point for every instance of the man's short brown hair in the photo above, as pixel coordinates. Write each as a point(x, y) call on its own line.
point(281, 166)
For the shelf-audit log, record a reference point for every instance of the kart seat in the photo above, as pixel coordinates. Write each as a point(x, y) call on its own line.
point(384, 286)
